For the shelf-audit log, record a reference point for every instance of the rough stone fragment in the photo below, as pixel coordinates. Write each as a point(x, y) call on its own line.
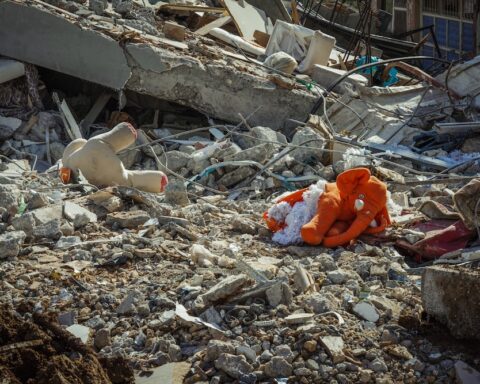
point(128, 219)
point(127, 305)
point(224, 288)
point(305, 154)
point(334, 347)
point(399, 351)
point(260, 153)
point(11, 243)
point(234, 366)
point(217, 347)
point(9, 197)
point(102, 338)
point(326, 263)
point(278, 367)
point(25, 222)
point(447, 295)
point(48, 213)
point(258, 135)
point(78, 215)
point(319, 303)
point(246, 351)
point(49, 230)
point(175, 160)
point(378, 365)
point(232, 178)
point(366, 311)
point(279, 293)
point(337, 277)
point(38, 200)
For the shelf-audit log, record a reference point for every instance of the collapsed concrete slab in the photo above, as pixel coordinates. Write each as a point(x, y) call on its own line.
point(92, 48)
point(36, 36)
point(450, 295)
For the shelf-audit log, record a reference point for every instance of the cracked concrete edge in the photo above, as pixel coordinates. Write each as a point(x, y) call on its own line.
point(32, 35)
point(37, 36)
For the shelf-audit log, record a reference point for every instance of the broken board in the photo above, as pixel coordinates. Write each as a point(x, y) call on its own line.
point(248, 19)
point(220, 22)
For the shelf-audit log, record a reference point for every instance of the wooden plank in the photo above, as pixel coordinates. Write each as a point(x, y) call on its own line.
point(72, 131)
point(295, 16)
point(261, 38)
point(220, 22)
point(92, 115)
point(247, 18)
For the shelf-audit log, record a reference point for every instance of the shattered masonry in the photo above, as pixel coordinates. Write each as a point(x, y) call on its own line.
point(148, 151)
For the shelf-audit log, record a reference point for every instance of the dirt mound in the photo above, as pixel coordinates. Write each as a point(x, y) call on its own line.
point(41, 352)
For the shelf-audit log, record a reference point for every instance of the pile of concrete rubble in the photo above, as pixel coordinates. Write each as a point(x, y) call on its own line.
point(187, 286)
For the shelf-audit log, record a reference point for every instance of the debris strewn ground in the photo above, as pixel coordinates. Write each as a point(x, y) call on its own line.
point(112, 284)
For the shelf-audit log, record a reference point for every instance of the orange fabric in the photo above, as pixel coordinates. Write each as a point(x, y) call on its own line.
point(329, 209)
point(337, 222)
point(359, 184)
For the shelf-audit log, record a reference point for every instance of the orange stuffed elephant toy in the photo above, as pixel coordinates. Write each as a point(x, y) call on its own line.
point(354, 204)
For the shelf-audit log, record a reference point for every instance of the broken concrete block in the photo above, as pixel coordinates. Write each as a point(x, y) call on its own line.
point(25, 222)
point(259, 153)
point(279, 293)
point(278, 367)
point(325, 76)
point(11, 243)
point(217, 347)
point(366, 311)
point(259, 135)
point(224, 288)
point(37, 200)
point(334, 347)
point(233, 365)
point(232, 178)
point(128, 219)
point(315, 141)
point(174, 160)
point(9, 194)
point(78, 215)
point(49, 230)
point(174, 31)
point(49, 213)
point(448, 295)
